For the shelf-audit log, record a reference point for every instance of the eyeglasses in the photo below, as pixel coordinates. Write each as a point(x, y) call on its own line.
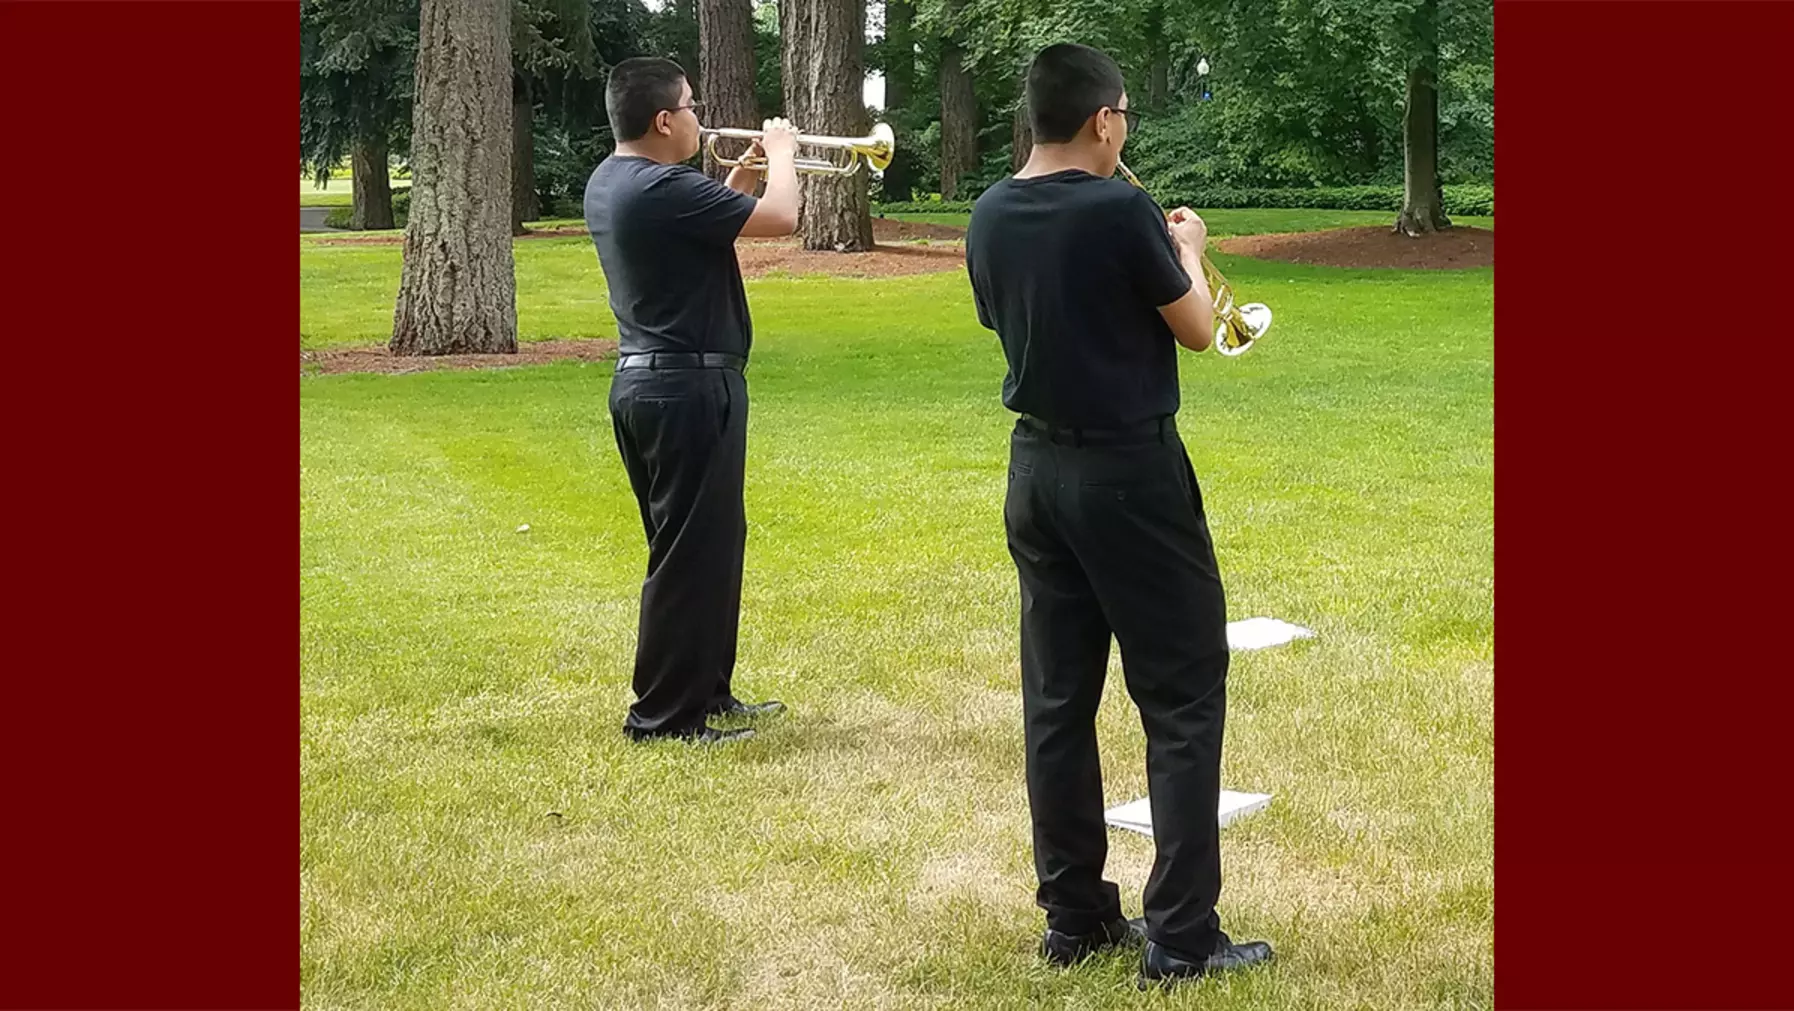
point(695, 107)
point(1132, 117)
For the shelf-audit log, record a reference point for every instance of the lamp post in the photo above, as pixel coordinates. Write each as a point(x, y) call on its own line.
point(1202, 78)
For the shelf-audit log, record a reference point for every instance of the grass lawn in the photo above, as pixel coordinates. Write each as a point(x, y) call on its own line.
point(460, 681)
point(338, 193)
point(346, 292)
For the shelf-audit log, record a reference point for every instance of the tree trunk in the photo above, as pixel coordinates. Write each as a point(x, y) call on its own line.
point(726, 45)
point(1423, 203)
point(1021, 135)
point(900, 92)
point(959, 114)
point(824, 44)
point(525, 206)
point(1158, 76)
point(458, 287)
point(372, 189)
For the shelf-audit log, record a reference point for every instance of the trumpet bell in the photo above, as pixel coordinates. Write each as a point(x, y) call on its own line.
point(878, 154)
point(1256, 318)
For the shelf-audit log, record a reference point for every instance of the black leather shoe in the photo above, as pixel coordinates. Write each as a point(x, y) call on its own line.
point(1159, 964)
point(702, 735)
point(1061, 948)
point(746, 710)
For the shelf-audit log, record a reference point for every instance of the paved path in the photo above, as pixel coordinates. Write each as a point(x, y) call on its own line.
point(311, 219)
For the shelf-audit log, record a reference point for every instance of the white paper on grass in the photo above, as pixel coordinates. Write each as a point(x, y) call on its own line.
point(1258, 633)
point(1137, 816)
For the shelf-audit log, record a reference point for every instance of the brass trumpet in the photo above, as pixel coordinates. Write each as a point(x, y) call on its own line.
point(1236, 326)
point(874, 150)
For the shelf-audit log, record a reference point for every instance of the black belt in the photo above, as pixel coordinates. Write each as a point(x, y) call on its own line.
point(682, 360)
point(1155, 430)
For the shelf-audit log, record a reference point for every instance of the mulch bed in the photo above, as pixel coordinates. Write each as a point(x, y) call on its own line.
point(760, 258)
point(891, 228)
point(1456, 248)
point(376, 359)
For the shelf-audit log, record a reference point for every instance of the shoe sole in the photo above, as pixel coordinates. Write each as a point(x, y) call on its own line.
point(748, 717)
point(692, 740)
point(1146, 982)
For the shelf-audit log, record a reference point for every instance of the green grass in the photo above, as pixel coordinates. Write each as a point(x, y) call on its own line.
point(460, 681)
point(346, 293)
point(338, 193)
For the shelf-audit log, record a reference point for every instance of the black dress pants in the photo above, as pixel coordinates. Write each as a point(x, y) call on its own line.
point(683, 437)
point(1111, 539)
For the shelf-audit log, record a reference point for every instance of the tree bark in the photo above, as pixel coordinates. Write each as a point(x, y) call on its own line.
point(1423, 202)
point(824, 44)
point(1021, 135)
point(959, 112)
point(525, 205)
point(900, 91)
point(726, 47)
point(372, 197)
point(457, 291)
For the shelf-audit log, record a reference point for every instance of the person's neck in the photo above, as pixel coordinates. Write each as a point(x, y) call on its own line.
point(1046, 159)
point(652, 152)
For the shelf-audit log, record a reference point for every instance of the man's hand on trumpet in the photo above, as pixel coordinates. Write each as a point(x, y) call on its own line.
point(745, 178)
point(779, 139)
point(1188, 229)
point(776, 213)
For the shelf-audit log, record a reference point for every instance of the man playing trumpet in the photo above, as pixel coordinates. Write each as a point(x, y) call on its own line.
point(665, 235)
point(1090, 295)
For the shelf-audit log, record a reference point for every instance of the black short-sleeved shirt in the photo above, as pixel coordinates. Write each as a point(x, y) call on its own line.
point(666, 240)
point(1070, 269)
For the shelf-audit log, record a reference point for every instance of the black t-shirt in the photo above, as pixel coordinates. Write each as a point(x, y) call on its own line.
point(666, 240)
point(1069, 269)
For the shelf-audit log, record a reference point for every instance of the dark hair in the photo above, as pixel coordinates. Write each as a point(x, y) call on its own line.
point(640, 88)
point(1067, 84)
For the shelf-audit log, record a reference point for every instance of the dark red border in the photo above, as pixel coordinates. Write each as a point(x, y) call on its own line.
point(1642, 712)
point(151, 695)
point(150, 710)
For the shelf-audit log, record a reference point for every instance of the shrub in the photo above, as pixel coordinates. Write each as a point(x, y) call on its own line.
point(1466, 199)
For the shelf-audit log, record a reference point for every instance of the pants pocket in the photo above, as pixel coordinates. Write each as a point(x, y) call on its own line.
point(1192, 489)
